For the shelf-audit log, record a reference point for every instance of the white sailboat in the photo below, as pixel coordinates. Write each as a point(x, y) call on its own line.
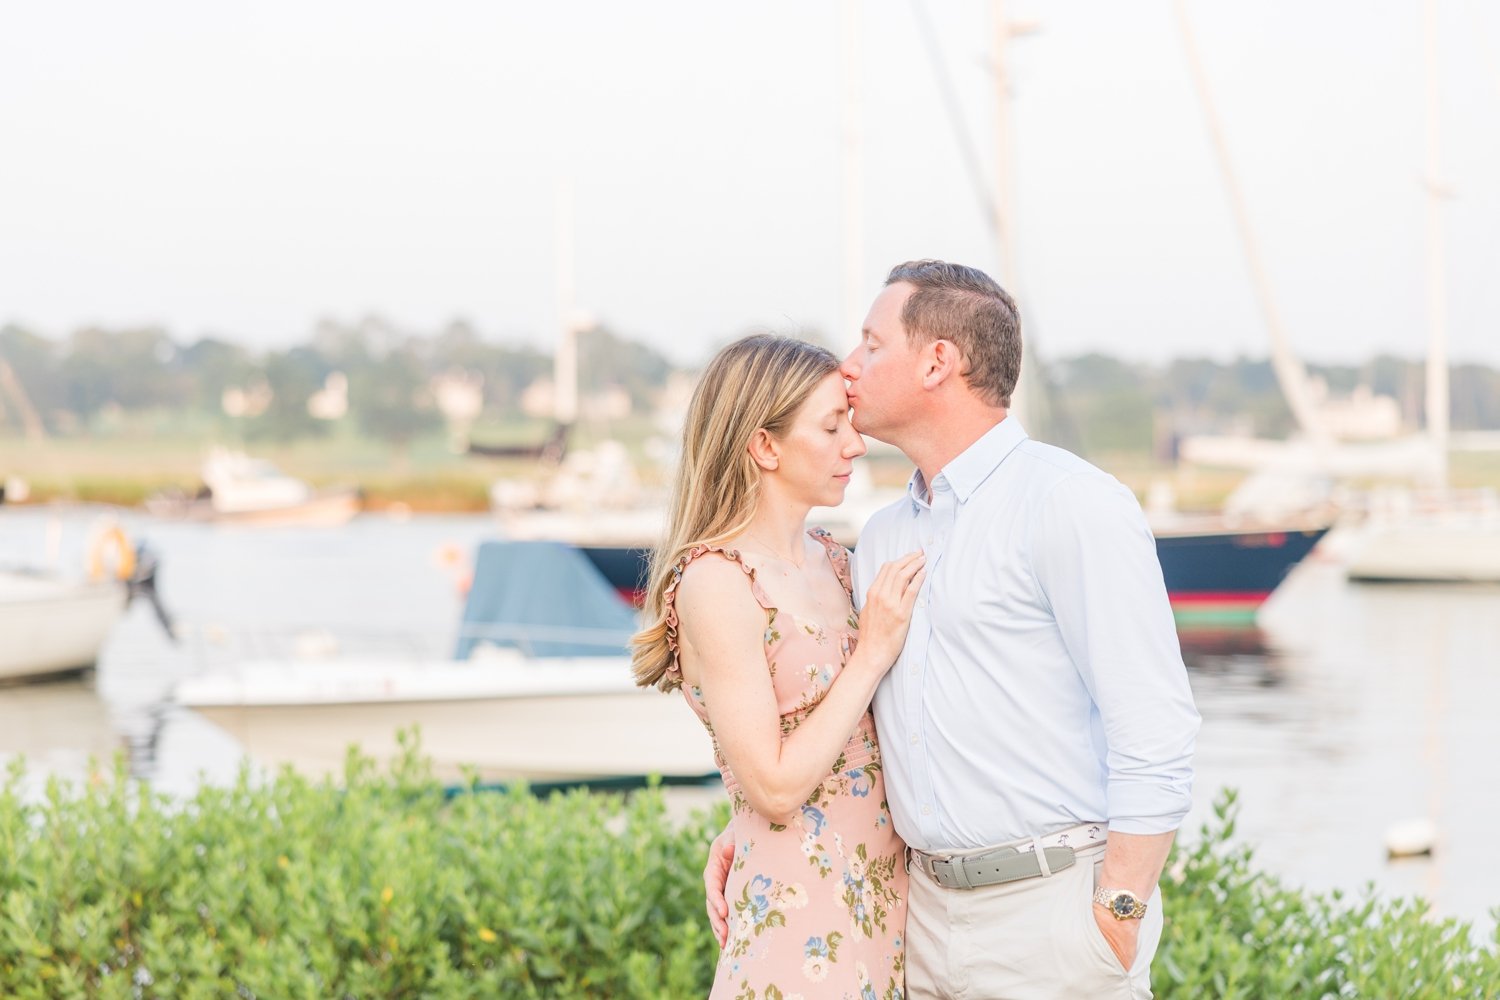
point(1423, 531)
point(1440, 535)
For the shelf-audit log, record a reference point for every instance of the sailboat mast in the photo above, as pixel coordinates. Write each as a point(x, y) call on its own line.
point(1437, 299)
point(1004, 197)
point(565, 360)
point(1289, 371)
point(1024, 403)
point(852, 312)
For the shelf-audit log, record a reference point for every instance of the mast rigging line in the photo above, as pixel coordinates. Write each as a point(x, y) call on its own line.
point(1052, 409)
point(966, 149)
point(1289, 370)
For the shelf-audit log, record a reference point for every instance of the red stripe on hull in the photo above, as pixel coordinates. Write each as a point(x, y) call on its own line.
point(1238, 599)
point(1247, 599)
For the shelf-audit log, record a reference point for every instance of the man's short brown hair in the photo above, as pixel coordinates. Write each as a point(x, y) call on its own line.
point(968, 308)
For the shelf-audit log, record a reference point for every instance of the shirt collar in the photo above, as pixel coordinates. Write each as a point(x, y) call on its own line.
point(974, 464)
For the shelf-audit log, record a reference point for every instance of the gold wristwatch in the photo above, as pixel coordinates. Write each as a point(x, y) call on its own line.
point(1121, 903)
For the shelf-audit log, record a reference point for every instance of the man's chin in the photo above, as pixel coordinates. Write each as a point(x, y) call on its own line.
point(877, 434)
point(863, 431)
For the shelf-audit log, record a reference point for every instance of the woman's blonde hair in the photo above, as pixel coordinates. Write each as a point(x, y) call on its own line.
point(756, 382)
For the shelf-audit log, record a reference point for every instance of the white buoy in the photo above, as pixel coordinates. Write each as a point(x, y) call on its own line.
point(1410, 839)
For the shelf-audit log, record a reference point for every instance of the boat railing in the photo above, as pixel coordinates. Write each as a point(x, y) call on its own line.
point(1434, 506)
point(212, 645)
point(528, 637)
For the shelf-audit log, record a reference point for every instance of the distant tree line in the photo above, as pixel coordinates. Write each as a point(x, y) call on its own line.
point(1099, 403)
point(73, 384)
point(1092, 402)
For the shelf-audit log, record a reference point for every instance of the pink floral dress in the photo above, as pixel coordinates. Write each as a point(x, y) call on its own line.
point(817, 907)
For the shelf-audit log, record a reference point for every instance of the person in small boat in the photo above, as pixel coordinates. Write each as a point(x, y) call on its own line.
point(749, 613)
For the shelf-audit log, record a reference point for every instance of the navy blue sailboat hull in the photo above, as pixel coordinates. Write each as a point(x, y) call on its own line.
point(1212, 577)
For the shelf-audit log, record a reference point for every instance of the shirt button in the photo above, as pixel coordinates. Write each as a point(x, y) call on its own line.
point(921, 602)
point(927, 810)
point(915, 739)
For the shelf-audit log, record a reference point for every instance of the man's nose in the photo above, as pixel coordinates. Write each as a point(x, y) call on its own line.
point(850, 368)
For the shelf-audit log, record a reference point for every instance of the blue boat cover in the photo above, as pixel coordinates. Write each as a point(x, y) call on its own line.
point(545, 599)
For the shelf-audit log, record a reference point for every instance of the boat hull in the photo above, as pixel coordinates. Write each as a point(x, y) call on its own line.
point(1223, 577)
point(331, 508)
point(50, 626)
point(1213, 575)
point(505, 723)
point(1428, 554)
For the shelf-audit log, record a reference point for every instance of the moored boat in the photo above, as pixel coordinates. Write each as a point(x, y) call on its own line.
point(239, 489)
point(53, 625)
point(539, 689)
point(1440, 536)
point(1221, 575)
point(1215, 573)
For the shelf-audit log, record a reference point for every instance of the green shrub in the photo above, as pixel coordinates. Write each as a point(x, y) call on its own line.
point(380, 889)
point(385, 888)
point(1234, 932)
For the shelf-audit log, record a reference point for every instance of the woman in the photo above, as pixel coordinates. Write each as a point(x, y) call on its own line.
point(751, 615)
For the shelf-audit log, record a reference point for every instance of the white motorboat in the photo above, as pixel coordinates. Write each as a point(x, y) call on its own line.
point(52, 625)
point(506, 715)
point(239, 489)
point(539, 689)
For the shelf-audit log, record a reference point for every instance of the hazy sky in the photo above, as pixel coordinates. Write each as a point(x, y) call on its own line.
point(245, 169)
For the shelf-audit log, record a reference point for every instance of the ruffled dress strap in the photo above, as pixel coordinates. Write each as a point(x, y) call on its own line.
point(838, 555)
point(674, 669)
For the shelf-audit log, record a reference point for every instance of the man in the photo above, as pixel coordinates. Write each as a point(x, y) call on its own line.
point(1037, 730)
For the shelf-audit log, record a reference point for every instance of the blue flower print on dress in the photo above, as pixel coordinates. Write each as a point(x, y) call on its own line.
point(860, 784)
point(813, 815)
point(759, 904)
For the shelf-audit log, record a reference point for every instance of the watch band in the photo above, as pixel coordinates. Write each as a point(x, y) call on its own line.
point(1121, 903)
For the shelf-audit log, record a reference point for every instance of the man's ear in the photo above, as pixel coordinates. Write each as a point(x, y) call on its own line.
point(765, 450)
point(941, 360)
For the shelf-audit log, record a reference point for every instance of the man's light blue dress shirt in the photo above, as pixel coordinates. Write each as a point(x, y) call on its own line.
point(1041, 685)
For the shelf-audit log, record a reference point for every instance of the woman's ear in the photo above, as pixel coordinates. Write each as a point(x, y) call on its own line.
point(941, 360)
point(764, 449)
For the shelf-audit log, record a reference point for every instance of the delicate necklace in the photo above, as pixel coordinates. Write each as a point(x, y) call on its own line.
point(774, 554)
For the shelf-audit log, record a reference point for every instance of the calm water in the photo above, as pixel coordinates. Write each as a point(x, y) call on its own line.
point(1351, 709)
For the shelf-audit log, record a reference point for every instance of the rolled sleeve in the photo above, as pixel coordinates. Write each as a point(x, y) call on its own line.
point(1094, 560)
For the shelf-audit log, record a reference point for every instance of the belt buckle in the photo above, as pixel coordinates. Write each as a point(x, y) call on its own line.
point(929, 862)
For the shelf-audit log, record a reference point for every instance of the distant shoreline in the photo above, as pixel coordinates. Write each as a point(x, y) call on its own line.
point(429, 477)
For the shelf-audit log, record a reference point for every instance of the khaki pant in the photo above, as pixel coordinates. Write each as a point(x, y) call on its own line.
point(1035, 939)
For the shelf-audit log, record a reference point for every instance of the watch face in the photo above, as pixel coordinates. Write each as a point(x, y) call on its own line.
point(1123, 905)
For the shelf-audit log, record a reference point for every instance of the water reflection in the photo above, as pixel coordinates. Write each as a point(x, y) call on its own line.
point(1233, 653)
point(58, 727)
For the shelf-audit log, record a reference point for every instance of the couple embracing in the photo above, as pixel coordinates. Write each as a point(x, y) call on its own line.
point(995, 824)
